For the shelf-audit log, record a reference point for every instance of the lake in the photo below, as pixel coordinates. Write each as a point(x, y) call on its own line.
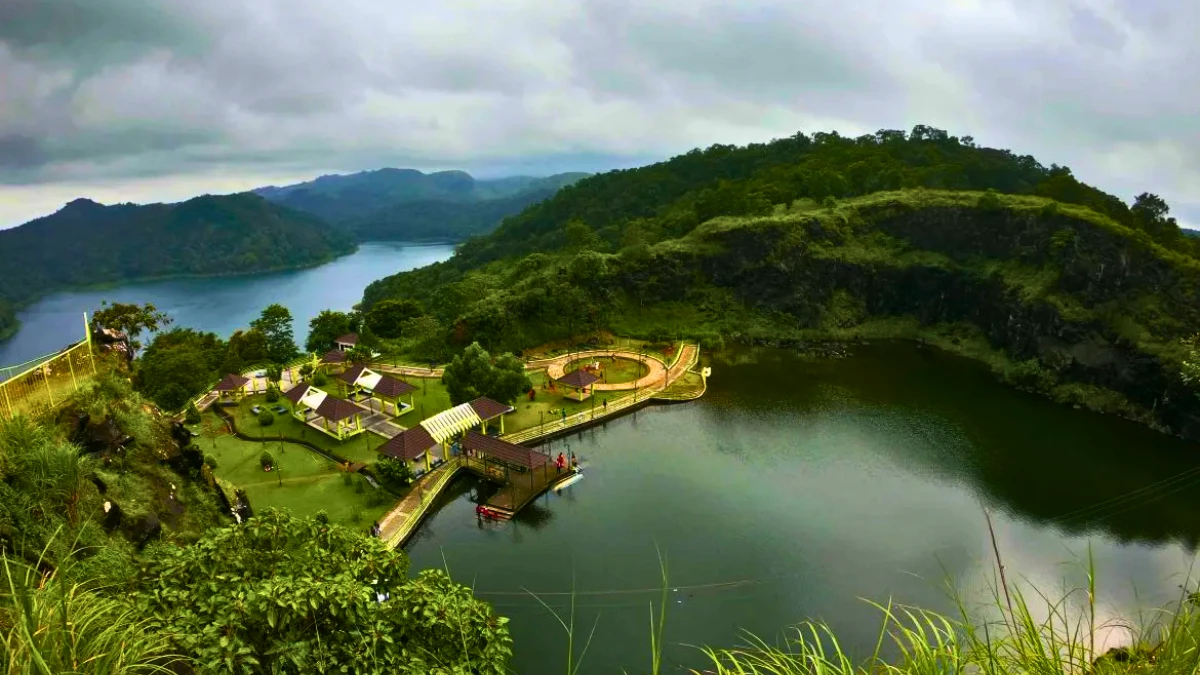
point(796, 486)
point(221, 304)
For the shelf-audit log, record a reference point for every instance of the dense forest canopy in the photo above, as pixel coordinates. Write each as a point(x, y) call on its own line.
point(87, 243)
point(1084, 296)
point(406, 204)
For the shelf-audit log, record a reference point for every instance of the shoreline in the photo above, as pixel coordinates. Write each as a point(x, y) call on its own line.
point(103, 285)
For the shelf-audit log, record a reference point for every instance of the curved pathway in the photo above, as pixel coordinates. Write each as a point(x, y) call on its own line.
point(556, 368)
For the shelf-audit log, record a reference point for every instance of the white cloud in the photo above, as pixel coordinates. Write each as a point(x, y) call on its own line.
point(188, 93)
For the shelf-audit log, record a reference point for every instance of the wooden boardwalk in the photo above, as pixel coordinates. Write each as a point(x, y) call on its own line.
point(521, 488)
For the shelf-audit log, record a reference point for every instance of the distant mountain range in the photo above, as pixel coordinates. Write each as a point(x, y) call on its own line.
point(405, 204)
point(270, 228)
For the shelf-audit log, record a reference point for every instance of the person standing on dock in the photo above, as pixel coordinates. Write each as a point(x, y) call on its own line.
point(574, 462)
point(559, 462)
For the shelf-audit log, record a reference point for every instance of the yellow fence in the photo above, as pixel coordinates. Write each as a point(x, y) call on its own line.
point(42, 384)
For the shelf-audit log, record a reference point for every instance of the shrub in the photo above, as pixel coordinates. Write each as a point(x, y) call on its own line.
point(266, 418)
point(377, 498)
point(347, 479)
point(393, 472)
point(1050, 210)
point(829, 203)
point(192, 416)
point(319, 379)
point(210, 462)
point(272, 394)
point(989, 201)
point(266, 460)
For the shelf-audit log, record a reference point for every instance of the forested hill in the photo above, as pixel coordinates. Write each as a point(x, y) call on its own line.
point(88, 243)
point(1060, 287)
point(408, 204)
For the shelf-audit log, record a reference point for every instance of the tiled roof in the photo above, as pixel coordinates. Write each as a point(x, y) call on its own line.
point(408, 444)
point(231, 382)
point(503, 450)
point(488, 409)
point(578, 378)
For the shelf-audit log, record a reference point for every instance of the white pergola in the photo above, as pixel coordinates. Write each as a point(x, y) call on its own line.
point(449, 423)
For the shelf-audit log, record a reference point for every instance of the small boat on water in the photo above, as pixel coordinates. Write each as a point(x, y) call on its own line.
point(485, 512)
point(569, 482)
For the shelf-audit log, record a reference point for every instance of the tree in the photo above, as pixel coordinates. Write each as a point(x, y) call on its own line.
point(510, 380)
point(245, 347)
point(178, 365)
point(394, 473)
point(301, 596)
point(387, 318)
point(131, 320)
point(265, 460)
point(192, 416)
point(359, 354)
point(473, 374)
point(326, 327)
point(1190, 369)
point(580, 236)
point(265, 418)
point(275, 323)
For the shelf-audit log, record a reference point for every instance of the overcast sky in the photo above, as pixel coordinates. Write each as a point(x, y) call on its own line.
point(160, 100)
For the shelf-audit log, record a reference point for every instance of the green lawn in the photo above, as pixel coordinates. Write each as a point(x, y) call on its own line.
point(305, 482)
point(614, 370)
point(527, 412)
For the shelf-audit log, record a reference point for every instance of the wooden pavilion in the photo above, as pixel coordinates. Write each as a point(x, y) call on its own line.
point(339, 418)
point(346, 342)
point(578, 384)
point(334, 359)
point(488, 410)
point(411, 446)
point(232, 386)
point(360, 380)
point(523, 473)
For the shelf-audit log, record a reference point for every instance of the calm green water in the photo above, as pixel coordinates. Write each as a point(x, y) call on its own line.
point(822, 482)
point(222, 304)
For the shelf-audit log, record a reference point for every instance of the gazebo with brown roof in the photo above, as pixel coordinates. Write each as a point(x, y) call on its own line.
point(346, 342)
point(488, 410)
point(410, 445)
point(329, 409)
point(387, 388)
point(579, 382)
point(232, 385)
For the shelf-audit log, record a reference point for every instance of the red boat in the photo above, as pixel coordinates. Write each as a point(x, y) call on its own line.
point(485, 512)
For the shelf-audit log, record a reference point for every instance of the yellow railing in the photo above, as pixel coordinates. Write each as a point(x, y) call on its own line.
point(50, 381)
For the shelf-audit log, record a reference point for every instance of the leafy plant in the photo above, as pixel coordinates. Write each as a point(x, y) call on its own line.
point(266, 461)
point(193, 415)
point(266, 418)
point(272, 394)
point(393, 472)
point(278, 594)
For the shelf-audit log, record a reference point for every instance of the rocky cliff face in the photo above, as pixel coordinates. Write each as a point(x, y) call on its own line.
point(1090, 306)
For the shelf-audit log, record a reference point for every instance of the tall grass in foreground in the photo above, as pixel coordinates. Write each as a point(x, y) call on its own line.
point(1016, 632)
point(51, 627)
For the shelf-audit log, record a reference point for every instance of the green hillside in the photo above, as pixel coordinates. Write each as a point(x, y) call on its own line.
point(1062, 288)
point(88, 243)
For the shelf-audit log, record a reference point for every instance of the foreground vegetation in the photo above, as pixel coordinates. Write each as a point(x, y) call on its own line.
point(119, 556)
point(1062, 288)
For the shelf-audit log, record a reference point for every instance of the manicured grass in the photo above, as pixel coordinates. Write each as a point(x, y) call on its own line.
point(286, 425)
point(613, 370)
point(527, 413)
point(305, 483)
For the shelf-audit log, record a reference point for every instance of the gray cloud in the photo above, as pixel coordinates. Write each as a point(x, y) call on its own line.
point(108, 94)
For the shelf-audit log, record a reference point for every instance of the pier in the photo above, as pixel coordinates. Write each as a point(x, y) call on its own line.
point(524, 472)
